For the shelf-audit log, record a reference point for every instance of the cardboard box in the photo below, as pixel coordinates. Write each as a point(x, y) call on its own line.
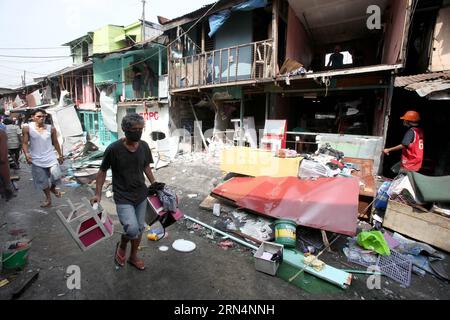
point(427, 227)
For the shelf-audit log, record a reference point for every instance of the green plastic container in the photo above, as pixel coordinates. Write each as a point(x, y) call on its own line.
point(285, 233)
point(15, 259)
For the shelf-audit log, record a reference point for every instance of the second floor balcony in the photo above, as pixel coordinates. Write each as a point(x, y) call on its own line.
point(241, 64)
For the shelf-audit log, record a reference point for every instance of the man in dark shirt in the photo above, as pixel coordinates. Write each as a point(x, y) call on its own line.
point(129, 159)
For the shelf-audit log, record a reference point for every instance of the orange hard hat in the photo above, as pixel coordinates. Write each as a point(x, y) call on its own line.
point(411, 116)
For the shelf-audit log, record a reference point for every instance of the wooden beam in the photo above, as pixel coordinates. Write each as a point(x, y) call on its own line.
point(203, 37)
point(275, 35)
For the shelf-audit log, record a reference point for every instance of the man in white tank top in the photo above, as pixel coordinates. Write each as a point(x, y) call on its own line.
point(42, 151)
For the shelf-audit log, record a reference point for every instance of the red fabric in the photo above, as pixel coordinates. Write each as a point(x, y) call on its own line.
point(412, 156)
point(329, 204)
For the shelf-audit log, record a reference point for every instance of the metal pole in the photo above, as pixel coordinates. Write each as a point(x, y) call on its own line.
point(241, 127)
point(123, 81)
point(143, 21)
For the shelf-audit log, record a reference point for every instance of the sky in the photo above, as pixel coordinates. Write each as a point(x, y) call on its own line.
point(43, 26)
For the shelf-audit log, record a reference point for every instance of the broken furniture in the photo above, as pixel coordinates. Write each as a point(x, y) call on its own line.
point(274, 136)
point(257, 162)
point(156, 209)
point(248, 132)
point(367, 188)
point(263, 61)
point(86, 225)
point(427, 227)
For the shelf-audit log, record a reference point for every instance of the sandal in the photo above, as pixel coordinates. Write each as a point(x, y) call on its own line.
point(120, 260)
point(138, 264)
point(57, 193)
point(46, 204)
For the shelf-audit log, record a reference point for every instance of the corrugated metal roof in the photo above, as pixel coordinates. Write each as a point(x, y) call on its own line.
point(70, 69)
point(425, 83)
point(405, 81)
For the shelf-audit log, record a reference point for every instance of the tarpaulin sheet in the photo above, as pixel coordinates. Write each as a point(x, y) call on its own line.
point(329, 204)
point(218, 19)
point(109, 111)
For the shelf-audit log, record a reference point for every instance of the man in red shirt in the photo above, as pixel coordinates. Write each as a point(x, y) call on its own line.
point(412, 144)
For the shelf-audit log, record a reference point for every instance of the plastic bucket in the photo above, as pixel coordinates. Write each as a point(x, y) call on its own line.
point(285, 233)
point(15, 259)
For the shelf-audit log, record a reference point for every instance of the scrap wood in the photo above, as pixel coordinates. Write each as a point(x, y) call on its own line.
point(208, 203)
point(3, 282)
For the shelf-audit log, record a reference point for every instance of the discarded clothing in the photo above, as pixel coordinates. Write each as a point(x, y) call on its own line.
point(408, 246)
point(328, 150)
point(168, 199)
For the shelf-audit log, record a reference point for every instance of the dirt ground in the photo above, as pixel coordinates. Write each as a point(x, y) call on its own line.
point(208, 273)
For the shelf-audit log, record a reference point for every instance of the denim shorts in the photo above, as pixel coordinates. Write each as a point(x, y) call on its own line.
point(132, 219)
point(44, 178)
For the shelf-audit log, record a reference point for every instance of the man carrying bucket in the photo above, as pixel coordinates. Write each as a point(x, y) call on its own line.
point(129, 159)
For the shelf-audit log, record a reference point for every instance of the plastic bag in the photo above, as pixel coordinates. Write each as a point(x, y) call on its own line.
point(374, 240)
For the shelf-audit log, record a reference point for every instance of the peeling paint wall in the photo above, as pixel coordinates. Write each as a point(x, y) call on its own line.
point(440, 59)
point(396, 32)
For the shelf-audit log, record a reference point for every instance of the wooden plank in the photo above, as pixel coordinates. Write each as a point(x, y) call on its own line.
point(426, 227)
point(213, 67)
point(365, 175)
point(275, 15)
point(228, 65)
point(220, 68)
point(237, 63)
point(208, 203)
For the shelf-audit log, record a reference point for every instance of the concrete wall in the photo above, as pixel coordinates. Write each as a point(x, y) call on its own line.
point(236, 31)
point(298, 44)
point(104, 39)
point(440, 59)
point(156, 119)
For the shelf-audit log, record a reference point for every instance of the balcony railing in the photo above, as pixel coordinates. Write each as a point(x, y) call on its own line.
point(247, 62)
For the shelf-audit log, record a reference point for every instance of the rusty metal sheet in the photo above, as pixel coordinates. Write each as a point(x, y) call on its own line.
point(329, 204)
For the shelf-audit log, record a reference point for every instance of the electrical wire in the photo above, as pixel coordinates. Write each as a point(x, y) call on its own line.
point(21, 70)
point(26, 62)
point(166, 46)
point(36, 57)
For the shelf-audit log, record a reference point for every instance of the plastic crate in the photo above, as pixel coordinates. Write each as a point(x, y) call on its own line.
point(266, 266)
